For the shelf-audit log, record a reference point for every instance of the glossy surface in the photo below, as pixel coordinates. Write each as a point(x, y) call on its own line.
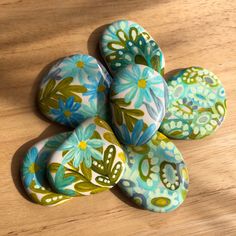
point(34, 171)
point(125, 42)
point(197, 104)
point(156, 176)
point(74, 89)
point(89, 161)
point(138, 100)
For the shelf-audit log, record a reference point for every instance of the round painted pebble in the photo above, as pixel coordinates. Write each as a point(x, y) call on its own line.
point(155, 177)
point(89, 161)
point(74, 89)
point(125, 42)
point(197, 104)
point(138, 103)
point(34, 171)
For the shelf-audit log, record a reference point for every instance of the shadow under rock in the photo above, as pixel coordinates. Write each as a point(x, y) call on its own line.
point(20, 154)
point(171, 73)
point(127, 200)
point(93, 43)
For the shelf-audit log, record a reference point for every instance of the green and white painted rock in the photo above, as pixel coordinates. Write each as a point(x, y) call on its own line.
point(125, 42)
point(34, 171)
point(155, 177)
point(138, 100)
point(197, 104)
point(89, 161)
point(74, 89)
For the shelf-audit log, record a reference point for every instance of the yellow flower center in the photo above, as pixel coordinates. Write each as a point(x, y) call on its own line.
point(33, 168)
point(80, 64)
point(142, 83)
point(101, 88)
point(67, 113)
point(82, 145)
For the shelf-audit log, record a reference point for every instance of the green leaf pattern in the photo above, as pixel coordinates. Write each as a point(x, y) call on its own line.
point(102, 175)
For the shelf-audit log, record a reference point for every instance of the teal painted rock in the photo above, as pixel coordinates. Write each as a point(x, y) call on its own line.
point(155, 177)
point(125, 42)
point(34, 171)
point(197, 104)
point(138, 103)
point(74, 89)
point(89, 161)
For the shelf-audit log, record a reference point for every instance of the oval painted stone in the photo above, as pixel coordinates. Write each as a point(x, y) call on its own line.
point(156, 176)
point(34, 171)
point(138, 103)
point(89, 161)
point(125, 42)
point(197, 104)
point(74, 89)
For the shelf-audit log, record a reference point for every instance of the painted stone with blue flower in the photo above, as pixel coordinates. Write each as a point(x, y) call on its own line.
point(138, 102)
point(197, 104)
point(156, 176)
point(34, 172)
point(74, 89)
point(125, 42)
point(89, 161)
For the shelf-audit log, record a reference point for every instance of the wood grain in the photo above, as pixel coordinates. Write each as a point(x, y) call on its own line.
point(35, 33)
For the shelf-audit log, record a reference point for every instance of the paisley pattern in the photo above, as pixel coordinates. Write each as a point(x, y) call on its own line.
point(138, 102)
point(34, 171)
point(90, 160)
point(74, 89)
point(197, 104)
point(125, 42)
point(155, 177)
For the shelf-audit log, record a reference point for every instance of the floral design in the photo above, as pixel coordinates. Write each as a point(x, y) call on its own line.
point(125, 42)
point(87, 162)
point(96, 89)
point(206, 122)
point(32, 167)
point(137, 137)
point(138, 101)
point(34, 170)
point(70, 93)
point(68, 113)
point(156, 179)
point(194, 94)
point(79, 66)
point(137, 85)
point(81, 147)
point(184, 108)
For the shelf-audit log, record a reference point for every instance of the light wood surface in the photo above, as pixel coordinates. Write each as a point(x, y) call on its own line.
point(35, 33)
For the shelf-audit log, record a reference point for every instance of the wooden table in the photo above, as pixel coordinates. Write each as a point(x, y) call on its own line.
point(35, 33)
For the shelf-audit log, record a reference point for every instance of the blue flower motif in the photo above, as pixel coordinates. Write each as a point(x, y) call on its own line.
point(96, 89)
point(67, 112)
point(137, 85)
point(81, 147)
point(33, 167)
point(79, 67)
point(137, 137)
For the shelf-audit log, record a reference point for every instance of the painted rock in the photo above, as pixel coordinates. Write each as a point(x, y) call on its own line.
point(155, 177)
point(89, 161)
point(74, 89)
point(125, 42)
point(197, 104)
point(34, 174)
point(138, 100)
